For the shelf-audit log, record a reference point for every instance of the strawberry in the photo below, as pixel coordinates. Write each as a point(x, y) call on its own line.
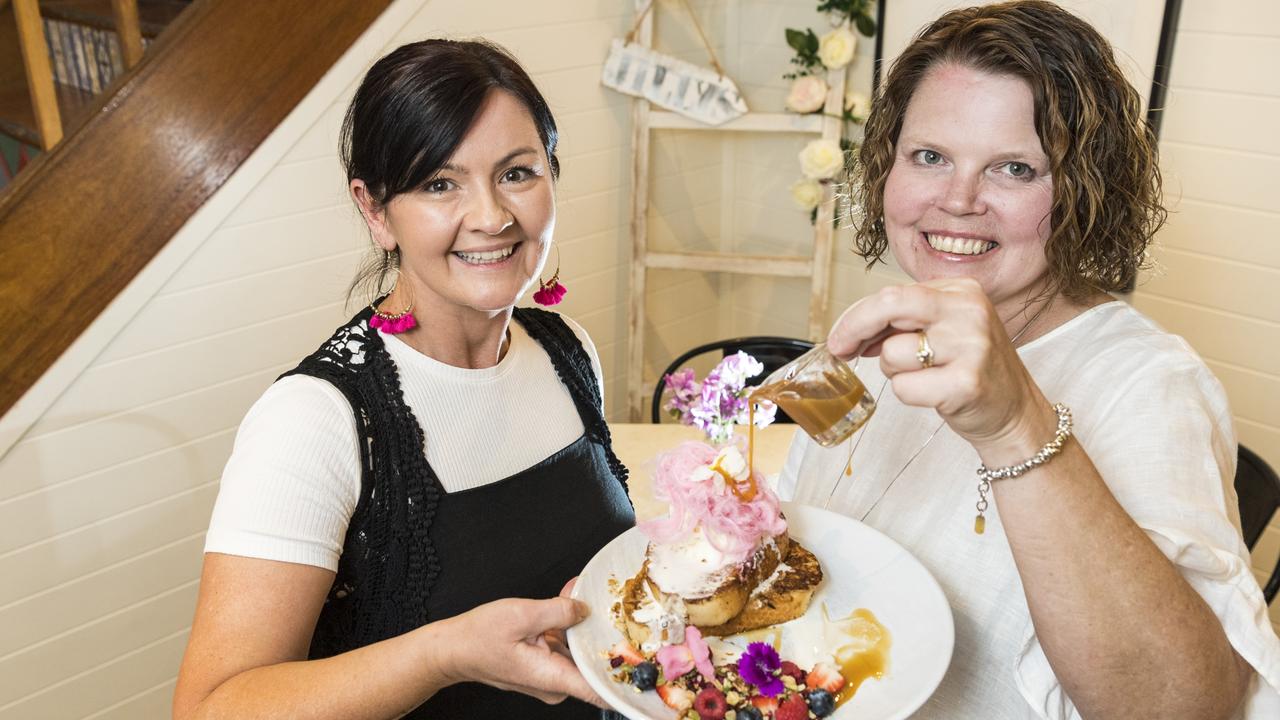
point(710, 703)
point(626, 652)
point(790, 668)
point(766, 705)
point(826, 677)
point(676, 698)
point(793, 708)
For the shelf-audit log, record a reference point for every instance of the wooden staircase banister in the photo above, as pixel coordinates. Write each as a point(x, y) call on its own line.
point(83, 219)
point(35, 60)
point(128, 30)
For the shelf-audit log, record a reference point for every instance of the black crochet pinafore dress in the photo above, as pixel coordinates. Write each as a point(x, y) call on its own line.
point(415, 554)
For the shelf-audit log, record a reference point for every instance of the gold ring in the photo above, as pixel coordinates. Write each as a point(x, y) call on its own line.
point(924, 352)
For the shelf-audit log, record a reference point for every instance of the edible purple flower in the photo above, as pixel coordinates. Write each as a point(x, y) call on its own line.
point(684, 391)
point(720, 401)
point(760, 666)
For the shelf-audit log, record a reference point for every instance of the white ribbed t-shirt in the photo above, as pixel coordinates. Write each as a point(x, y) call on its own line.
point(293, 479)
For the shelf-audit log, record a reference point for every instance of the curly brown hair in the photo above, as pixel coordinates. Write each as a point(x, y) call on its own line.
point(1102, 153)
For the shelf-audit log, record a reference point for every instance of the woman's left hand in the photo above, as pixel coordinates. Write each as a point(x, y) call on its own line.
point(976, 381)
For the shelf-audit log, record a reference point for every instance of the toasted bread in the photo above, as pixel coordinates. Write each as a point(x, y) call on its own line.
point(729, 594)
point(776, 598)
point(784, 596)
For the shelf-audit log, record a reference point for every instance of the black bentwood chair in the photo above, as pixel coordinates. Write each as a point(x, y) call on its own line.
point(1258, 488)
point(772, 352)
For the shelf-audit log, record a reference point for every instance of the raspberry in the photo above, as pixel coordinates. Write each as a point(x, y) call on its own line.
point(710, 704)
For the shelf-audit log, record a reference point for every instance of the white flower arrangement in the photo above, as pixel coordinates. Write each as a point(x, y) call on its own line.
point(857, 106)
point(808, 94)
point(836, 48)
point(821, 161)
point(806, 193)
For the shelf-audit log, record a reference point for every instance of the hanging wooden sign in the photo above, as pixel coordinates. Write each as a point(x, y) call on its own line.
point(695, 92)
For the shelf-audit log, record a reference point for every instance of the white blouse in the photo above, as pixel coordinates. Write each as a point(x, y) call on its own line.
point(1155, 422)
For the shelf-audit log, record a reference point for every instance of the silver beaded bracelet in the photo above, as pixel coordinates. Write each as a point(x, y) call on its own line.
point(986, 475)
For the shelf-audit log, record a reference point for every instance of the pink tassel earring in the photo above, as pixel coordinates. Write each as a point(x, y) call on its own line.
point(394, 323)
point(551, 292)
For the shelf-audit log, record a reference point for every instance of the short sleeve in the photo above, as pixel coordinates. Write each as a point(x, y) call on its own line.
point(1166, 448)
point(293, 480)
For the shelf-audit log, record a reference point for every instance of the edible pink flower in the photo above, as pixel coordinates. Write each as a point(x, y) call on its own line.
point(676, 660)
point(701, 653)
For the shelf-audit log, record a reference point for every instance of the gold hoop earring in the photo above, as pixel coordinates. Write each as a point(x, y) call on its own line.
point(393, 323)
point(551, 292)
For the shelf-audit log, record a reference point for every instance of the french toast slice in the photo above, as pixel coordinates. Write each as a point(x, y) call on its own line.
point(726, 589)
point(776, 599)
point(782, 597)
point(730, 594)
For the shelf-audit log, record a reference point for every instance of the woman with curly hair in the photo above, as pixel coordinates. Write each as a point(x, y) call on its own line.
point(1009, 171)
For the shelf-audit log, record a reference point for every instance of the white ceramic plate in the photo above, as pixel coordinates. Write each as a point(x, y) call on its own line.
point(862, 568)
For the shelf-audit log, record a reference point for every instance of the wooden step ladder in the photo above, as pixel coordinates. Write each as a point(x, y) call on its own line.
point(816, 267)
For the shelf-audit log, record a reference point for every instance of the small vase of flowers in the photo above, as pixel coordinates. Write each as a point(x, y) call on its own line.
point(721, 400)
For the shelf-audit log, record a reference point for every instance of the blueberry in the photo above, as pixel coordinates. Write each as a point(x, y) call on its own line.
point(645, 676)
point(748, 713)
point(821, 703)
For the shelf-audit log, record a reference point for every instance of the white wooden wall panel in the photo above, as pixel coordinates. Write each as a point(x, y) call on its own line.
point(1241, 340)
point(1231, 233)
point(1228, 285)
point(1210, 174)
point(85, 599)
point(157, 375)
point(590, 172)
point(153, 702)
point(234, 252)
point(64, 660)
point(1223, 120)
point(1228, 62)
point(107, 543)
point(293, 187)
point(1241, 17)
point(1256, 395)
point(105, 685)
point(45, 460)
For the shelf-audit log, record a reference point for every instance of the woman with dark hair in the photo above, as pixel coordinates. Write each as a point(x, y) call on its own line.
point(401, 511)
point(1008, 169)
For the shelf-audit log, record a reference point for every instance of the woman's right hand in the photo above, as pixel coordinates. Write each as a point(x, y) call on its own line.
point(247, 654)
point(517, 644)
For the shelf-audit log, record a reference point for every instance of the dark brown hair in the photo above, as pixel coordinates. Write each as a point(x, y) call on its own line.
point(412, 110)
point(1102, 153)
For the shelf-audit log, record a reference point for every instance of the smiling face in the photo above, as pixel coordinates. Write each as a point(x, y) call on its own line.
point(477, 233)
point(969, 193)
